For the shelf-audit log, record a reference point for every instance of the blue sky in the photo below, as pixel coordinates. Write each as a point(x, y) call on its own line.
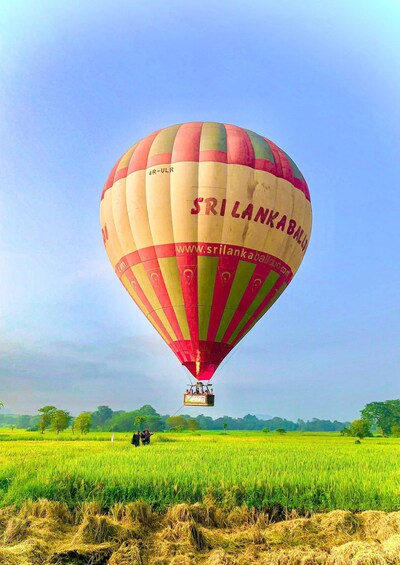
point(82, 81)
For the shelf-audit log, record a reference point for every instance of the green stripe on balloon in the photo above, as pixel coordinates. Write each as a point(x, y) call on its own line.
point(262, 294)
point(164, 141)
point(295, 168)
point(207, 268)
point(213, 137)
point(242, 278)
point(261, 148)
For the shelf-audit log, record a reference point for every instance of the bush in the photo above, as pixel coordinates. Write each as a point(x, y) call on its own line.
point(360, 428)
point(395, 431)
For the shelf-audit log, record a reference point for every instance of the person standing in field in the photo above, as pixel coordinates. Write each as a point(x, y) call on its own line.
point(145, 436)
point(136, 439)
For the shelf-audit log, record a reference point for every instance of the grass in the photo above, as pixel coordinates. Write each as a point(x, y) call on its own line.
point(306, 472)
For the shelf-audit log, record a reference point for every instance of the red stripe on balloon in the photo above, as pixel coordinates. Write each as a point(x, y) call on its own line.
point(121, 174)
point(159, 159)
point(278, 166)
point(286, 167)
point(187, 266)
point(187, 143)
point(183, 350)
point(239, 148)
point(264, 165)
point(213, 155)
point(139, 158)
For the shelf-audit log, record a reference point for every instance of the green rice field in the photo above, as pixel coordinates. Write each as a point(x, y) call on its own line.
point(306, 472)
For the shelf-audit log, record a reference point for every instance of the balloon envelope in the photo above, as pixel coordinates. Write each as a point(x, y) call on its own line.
point(205, 224)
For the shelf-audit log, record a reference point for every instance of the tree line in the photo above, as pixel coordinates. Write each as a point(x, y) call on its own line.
point(381, 417)
point(376, 417)
point(106, 419)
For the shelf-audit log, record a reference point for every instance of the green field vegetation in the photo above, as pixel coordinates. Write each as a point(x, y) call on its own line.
point(306, 472)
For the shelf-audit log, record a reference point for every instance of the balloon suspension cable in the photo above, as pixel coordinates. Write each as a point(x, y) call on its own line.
point(188, 374)
point(229, 357)
point(179, 409)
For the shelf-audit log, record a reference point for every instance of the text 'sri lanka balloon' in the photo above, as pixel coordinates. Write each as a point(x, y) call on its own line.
point(205, 224)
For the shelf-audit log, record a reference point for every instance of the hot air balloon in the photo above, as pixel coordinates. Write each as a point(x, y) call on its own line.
point(205, 225)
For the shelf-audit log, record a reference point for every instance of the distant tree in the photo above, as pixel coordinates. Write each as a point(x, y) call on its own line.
point(45, 417)
point(147, 410)
point(231, 423)
point(266, 430)
point(122, 422)
point(316, 425)
point(25, 421)
point(101, 416)
point(205, 422)
point(345, 431)
point(250, 422)
point(176, 422)
point(360, 428)
point(192, 424)
point(225, 425)
point(395, 430)
point(155, 423)
point(384, 415)
point(280, 431)
point(140, 420)
point(82, 422)
point(280, 423)
point(126, 421)
point(60, 420)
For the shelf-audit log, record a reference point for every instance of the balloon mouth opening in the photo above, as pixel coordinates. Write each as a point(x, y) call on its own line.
point(201, 370)
point(202, 358)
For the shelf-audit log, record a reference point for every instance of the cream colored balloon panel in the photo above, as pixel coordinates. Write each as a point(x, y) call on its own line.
point(183, 191)
point(158, 200)
point(113, 246)
point(121, 218)
point(293, 251)
point(212, 191)
point(137, 209)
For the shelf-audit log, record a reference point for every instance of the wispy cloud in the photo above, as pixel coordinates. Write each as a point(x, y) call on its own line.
point(77, 376)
